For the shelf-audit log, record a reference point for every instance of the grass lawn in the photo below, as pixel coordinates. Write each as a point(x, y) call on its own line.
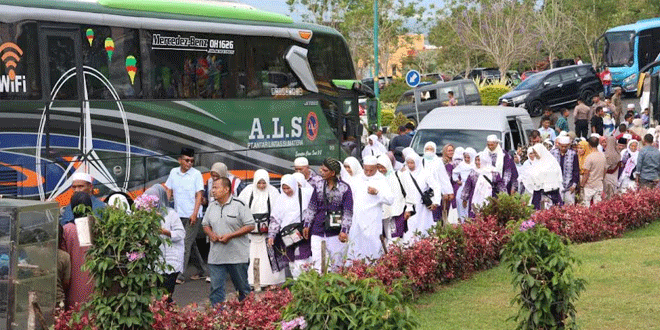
point(623, 290)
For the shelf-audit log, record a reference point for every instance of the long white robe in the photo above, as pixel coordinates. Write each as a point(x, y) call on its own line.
point(258, 241)
point(364, 236)
point(422, 220)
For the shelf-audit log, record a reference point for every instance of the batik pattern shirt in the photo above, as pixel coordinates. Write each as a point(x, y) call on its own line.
point(324, 200)
point(570, 167)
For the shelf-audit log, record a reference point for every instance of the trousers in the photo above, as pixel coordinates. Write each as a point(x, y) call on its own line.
point(335, 251)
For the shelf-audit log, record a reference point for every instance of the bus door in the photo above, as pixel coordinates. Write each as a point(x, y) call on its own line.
point(63, 93)
point(349, 128)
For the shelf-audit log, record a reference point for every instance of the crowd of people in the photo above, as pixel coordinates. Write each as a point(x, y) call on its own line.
point(354, 210)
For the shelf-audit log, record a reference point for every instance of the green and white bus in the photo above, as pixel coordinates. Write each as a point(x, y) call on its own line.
point(116, 87)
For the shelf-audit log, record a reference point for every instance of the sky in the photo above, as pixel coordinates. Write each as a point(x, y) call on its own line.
point(280, 6)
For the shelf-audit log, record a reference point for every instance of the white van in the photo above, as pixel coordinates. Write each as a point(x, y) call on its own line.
point(468, 126)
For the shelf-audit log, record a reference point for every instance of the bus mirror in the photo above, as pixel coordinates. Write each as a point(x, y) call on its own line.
point(297, 59)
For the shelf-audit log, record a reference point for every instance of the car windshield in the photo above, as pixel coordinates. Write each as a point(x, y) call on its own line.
point(530, 82)
point(618, 50)
point(459, 138)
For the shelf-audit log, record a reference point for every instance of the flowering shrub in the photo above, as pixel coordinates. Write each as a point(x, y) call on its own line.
point(262, 312)
point(447, 253)
point(542, 268)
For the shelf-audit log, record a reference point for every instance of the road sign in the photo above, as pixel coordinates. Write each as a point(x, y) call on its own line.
point(413, 78)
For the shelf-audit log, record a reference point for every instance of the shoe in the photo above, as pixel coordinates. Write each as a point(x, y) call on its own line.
point(180, 281)
point(208, 279)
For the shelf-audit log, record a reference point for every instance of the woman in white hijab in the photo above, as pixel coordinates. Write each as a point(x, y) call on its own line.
point(416, 181)
point(460, 173)
point(305, 188)
point(287, 211)
point(172, 228)
point(260, 197)
point(352, 172)
point(440, 172)
point(373, 147)
point(629, 160)
point(546, 176)
point(483, 182)
point(526, 185)
point(393, 217)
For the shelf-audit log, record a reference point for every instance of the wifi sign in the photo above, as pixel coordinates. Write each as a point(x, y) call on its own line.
point(11, 57)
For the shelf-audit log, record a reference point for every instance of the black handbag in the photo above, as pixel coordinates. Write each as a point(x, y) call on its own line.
point(261, 220)
point(292, 234)
point(333, 219)
point(426, 196)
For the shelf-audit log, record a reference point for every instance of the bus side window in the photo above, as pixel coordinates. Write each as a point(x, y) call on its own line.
point(114, 53)
point(213, 68)
point(267, 72)
point(21, 61)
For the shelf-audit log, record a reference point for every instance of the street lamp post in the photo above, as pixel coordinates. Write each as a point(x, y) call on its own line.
point(376, 80)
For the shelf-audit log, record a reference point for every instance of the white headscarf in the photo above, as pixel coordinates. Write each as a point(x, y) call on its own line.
point(306, 189)
point(385, 161)
point(418, 163)
point(462, 169)
point(525, 173)
point(430, 156)
point(485, 164)
point(287, 208)
point(355, 166)
point(259, 197)
point(376, 149)
point(546, 172)
point(473, 154)
point(458, 154)
point(499, 162)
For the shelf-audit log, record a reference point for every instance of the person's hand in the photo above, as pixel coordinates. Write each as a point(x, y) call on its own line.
point(450, 197)
point(406, 216)
point(432, 207)
point(459, 182)
point(465, 205)
point(372, 191)
point(224, 239)
point(343, 237)
point(306, 233)
point(213, 237)
point(193, 218)
point(572, 189)
point(271, 241)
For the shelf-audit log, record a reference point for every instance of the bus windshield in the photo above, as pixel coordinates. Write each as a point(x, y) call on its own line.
point(619, 50)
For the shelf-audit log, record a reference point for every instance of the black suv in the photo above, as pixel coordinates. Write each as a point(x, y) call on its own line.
point(555, 88)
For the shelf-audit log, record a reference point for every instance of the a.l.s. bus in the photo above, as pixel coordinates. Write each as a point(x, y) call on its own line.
point(628, 48)
point(116, 87)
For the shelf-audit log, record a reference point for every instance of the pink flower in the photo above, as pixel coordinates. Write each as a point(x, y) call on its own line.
point(132, 256)
point(146, 202)
point(529, 224)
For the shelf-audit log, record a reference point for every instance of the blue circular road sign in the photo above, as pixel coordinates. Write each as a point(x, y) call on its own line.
point(413, 78)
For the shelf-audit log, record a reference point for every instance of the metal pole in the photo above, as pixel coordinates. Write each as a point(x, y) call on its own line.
point(416, 104)
point(376, 66)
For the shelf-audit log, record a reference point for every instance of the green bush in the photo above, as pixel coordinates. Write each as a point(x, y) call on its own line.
point(386, 114)
point(490, 94)
point(124, 260)
point(398, 120)
point(333, 302)
point(507, 208)
point(542, 268)
point(393, 91)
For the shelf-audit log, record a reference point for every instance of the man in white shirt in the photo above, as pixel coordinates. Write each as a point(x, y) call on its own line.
point(186, 186)
point(546, 131)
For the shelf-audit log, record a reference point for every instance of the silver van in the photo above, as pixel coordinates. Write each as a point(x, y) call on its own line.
point(468, 126)
point(429, 97)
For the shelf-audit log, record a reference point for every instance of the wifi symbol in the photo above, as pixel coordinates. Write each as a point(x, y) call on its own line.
point(10, 57)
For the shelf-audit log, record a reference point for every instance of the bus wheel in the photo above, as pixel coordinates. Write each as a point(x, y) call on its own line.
point(535, 108)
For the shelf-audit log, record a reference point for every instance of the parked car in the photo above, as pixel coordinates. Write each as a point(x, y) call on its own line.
point(526, 74)
point(457, 125)
point(432, 96)
point(485, 74)
point(555, 88)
